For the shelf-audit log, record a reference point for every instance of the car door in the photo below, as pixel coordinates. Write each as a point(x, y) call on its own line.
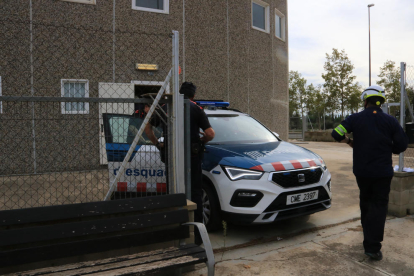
point(144, 170)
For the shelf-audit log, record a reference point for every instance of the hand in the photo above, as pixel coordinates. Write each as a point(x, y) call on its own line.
point(159, 145)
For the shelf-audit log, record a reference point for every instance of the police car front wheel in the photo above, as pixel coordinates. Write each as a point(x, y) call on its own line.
point(211, 209)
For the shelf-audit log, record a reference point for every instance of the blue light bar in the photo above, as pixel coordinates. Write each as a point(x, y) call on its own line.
point(212, 103)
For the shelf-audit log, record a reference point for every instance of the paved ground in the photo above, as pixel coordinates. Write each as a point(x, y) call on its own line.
point(331, 251)
point(326, 243)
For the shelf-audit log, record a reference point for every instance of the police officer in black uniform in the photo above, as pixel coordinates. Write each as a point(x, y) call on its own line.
point(198, 120)
point(376, 137)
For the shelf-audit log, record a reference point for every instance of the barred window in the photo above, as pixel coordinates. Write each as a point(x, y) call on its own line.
point(75, 89)
point(160, 6)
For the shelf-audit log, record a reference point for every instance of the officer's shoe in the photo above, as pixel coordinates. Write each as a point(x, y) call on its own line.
point(375, 256)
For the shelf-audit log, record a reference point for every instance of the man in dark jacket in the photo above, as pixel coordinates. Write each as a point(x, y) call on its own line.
point(376, 137)
point(198, 121)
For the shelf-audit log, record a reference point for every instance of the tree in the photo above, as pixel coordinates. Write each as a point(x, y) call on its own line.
point(318, 104)
point(297, 93)
point(339, 80)
point(390, 77)
point(355, 101)
point(309, 97)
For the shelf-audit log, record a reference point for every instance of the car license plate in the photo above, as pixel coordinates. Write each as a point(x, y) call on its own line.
point(302, 197)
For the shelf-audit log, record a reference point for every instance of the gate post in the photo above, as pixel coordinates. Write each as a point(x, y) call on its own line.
point(402, 112)
point(178, 121)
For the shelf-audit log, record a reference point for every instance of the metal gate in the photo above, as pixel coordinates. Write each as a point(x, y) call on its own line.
point(406, 159)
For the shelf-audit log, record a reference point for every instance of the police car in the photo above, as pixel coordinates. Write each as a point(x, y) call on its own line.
point(250, 176)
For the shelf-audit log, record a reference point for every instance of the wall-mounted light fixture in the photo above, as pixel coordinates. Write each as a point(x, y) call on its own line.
point(148, 67)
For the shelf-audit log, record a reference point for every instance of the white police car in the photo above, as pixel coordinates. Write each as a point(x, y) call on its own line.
point(249, 175)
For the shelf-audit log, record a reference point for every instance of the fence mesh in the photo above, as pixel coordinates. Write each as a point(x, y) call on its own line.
point(409, 86)
point(55, 152)
point(295, 128)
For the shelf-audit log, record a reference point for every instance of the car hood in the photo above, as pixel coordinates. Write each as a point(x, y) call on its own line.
point(268, 157)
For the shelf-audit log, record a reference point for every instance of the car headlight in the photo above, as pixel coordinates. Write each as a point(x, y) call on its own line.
point(237, 174)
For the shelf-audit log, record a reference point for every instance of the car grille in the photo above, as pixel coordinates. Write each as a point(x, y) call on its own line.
point(290, 179)
point(280, 202)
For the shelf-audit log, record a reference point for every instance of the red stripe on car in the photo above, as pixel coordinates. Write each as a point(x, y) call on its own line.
point(161, 187)
point(141, 187)
point(258, 168)
point(122, 186)
point(296, 164)
point(278, 166)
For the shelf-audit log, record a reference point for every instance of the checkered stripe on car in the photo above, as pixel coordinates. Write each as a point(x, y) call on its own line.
point(288, 165)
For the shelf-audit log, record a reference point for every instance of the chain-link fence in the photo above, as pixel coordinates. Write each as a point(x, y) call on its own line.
point(295, 128)
point(409, 89)
point(72, 101)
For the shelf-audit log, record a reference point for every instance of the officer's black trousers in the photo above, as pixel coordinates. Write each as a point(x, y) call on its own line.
point(374, 194)
point(197, 192)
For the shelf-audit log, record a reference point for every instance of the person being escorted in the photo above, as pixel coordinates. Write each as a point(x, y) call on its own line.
point(198, 120)
point(376, 137)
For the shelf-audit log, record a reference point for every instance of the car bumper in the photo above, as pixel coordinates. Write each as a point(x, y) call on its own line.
point(272, 204)
point(265, 218)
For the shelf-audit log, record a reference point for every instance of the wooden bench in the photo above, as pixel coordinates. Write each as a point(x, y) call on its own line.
point(102, 238)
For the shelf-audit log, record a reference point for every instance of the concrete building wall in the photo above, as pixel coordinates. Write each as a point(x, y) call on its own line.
point(230, 60)
point(219, 51)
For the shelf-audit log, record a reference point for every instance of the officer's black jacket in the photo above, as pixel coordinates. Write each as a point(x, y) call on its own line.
point(376, 136)
point(198, 119)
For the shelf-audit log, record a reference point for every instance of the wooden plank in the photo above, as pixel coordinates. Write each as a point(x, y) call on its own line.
point(151, 264)
point(92, 227)
point(169, 257)
point(74, 266)
point(79, 248)
point(90, 209)
point(156, 267)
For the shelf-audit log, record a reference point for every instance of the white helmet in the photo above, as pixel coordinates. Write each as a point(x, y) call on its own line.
point(373, 90)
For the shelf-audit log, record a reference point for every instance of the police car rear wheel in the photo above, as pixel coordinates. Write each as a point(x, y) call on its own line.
point(211, 209)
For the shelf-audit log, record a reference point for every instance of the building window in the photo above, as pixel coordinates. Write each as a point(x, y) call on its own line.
point(92, 2)
point(75, 89)
point(160, 6)
point(260, 16)
point(280, 25)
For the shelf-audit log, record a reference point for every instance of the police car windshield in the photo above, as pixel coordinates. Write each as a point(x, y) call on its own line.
point(232, 129)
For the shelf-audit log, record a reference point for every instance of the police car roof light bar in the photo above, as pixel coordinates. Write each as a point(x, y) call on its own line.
point(213, 103)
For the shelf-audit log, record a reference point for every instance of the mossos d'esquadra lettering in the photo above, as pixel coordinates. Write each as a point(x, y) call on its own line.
point(142, 172)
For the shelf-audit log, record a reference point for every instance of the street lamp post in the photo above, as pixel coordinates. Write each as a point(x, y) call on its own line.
point(369, 41)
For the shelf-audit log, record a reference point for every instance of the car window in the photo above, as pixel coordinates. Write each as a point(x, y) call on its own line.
point(119, 129)
point(239, 129)
point(123, 129)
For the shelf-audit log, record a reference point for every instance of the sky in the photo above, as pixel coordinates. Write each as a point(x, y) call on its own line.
point(318, 26)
